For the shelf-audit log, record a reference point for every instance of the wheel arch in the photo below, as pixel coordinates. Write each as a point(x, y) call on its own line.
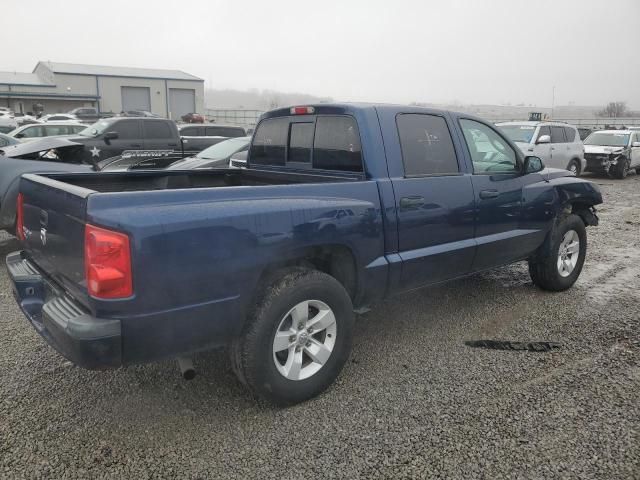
point(336, 260)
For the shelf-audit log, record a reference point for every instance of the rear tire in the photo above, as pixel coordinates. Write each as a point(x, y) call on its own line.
point(297, 338)
point(559, 268)
point(574, 167)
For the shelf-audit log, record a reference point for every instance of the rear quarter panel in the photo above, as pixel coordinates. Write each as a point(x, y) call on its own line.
point(198, 254)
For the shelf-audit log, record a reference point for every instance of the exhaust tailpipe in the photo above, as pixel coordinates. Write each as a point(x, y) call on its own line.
point(186, 368)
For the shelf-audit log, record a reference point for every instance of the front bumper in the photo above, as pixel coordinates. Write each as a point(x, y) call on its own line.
point(600, 163)
point(87, 341)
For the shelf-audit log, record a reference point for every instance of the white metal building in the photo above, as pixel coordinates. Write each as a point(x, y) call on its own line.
point(60, 87)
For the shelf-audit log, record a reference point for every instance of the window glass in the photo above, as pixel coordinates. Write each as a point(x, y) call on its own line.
point(126, 129)
point(337, 144)
point(224, 132)
point(3, 142)
point(426, 144)
point(269, 142)
point(570, 134)
point(32, 132)
point(190, 132)
point(55, 130)
point(518, 133)
point(544, 131)
point(77, 128)
point(489, 152)
point(300, 142)
point(557, 135)
point(157, 130)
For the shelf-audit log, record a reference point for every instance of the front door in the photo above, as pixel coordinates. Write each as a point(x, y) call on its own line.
point(635, 151)
point(129, 138)
point(434, 201)
point(498, 188)
point(543, 150)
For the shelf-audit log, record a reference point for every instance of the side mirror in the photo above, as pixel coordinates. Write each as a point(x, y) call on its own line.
point(19, 135)
point(533, 164)
point(635, 144)
point(543, 139)
point(110, 136)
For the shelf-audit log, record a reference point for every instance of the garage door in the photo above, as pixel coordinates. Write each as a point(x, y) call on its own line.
point(181, 102)
point(136, 98)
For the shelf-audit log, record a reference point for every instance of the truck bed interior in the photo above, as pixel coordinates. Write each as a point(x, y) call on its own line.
point(155, 180)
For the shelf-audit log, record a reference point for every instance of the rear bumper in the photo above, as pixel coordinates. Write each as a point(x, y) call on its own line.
point(87, 341)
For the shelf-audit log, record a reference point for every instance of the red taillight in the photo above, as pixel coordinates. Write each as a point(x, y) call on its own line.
point(20, 217)
point(302, 110)
point(107, 263)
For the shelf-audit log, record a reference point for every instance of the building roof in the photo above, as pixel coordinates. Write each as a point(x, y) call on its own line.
point(20, 78)
point(81, 69)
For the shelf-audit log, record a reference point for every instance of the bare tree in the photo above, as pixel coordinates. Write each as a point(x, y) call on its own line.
point(613, 110)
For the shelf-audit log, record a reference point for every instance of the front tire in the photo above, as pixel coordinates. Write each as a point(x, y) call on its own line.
point(560, 267)
point(297, 338)
point(621, 170)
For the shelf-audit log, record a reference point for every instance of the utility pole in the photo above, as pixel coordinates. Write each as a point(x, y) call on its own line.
point(553, 100)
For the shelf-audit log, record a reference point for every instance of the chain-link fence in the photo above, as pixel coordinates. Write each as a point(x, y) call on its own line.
point(244, 118)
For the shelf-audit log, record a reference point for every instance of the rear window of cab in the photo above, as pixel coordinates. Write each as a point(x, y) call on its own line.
point(324, 142)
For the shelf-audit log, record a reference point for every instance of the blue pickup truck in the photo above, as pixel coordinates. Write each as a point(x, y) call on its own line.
point(341, 206)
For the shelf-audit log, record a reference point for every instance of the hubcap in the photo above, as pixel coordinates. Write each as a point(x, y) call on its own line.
point(568, 253)
point(304, 340)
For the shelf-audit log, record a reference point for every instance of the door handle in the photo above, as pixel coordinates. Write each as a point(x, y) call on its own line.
point(411, 202)
point(485, 194)
point(135, 145)
point(172, 144)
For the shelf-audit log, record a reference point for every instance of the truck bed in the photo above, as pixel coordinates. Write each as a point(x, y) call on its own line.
point(171, 180)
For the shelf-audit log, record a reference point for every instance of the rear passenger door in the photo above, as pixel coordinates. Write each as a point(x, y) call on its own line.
point(434, 199)
point(560, 154)
point(158, 135)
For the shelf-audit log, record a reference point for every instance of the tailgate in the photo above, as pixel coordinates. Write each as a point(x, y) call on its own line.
point(54, 219)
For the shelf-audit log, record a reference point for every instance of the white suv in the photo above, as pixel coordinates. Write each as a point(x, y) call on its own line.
point(557, 144)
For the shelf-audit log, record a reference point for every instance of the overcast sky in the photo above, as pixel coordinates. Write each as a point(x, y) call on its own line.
point(484, 51)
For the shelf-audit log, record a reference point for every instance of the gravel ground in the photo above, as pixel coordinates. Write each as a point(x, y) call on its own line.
point(414, 402)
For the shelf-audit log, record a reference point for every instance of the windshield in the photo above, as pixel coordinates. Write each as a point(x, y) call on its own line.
point(97, 128)
point(224, 149)
point(518, 133)
point(608, 139)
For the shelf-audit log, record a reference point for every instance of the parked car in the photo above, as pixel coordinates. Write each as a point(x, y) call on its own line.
point(48, 154)
point(613, 152)
point(27, 133)
point(7, 122)
point(212, 130)
point(340, 206)
point(557, 144)
point(111, 136)
point(216, 156)
point(25, 119)
point(6, 140)
point(86, 114)
point(192, 118)
point(139, 113)
point(238, 160)
point(57, 117)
